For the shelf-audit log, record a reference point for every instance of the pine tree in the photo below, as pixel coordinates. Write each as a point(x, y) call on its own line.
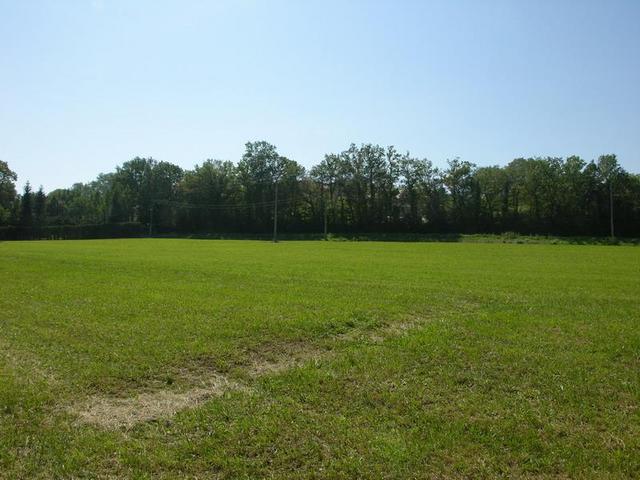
point(39, 205)
point(26, 206)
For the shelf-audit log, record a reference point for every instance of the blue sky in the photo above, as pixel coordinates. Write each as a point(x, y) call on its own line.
point(87, 85)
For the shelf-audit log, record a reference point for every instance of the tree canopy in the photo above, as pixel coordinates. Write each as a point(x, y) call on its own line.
point(365, 188)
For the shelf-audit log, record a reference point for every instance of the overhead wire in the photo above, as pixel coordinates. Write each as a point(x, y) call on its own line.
point(222, 206)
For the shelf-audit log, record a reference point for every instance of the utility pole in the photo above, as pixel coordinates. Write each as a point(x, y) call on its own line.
point(611, 207)
point(151, 219)
point(609, 170)
point(275, 216)
point(325, 222)
point(324, 208)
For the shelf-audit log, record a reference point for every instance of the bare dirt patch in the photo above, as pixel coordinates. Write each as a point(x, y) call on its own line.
point(203, 383)
point(115, 412)
point(125, 412)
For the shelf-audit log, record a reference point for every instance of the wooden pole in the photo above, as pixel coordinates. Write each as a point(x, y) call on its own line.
point(325, 221)
point(151, 219)
point(275, 217)
point(611, 208)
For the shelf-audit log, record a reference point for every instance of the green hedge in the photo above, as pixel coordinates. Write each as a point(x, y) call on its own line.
point(73, 232)
point(134, 229)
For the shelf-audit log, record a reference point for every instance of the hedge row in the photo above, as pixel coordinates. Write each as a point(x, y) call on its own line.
point(73, 232)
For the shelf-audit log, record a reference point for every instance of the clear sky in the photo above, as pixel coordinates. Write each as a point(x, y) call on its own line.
point(87, 85)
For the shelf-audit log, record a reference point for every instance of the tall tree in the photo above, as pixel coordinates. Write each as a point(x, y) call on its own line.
point(258, 171)
point(460, 182)
point(7, 192)
point(417, 177)
point(211, 193)
point(491, 183)
point(325, 175)
point(39, 205)
point(26, 206)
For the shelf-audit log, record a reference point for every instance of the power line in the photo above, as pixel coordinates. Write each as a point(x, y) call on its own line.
point(221, 206)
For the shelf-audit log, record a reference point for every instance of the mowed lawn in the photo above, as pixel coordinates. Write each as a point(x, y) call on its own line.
point(172, 358)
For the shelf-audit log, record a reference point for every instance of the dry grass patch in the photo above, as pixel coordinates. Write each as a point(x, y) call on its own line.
point(125, 412)
point(116, 412)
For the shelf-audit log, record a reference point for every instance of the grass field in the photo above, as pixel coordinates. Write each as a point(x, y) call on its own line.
point(238, 359)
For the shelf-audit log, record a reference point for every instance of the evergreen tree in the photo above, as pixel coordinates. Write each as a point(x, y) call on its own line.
point(26, 206)
point(39, 206)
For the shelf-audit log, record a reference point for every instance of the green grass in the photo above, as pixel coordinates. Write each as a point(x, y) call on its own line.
point(424, 360)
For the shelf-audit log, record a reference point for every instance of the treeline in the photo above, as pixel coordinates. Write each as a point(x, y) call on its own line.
point(365, 188)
